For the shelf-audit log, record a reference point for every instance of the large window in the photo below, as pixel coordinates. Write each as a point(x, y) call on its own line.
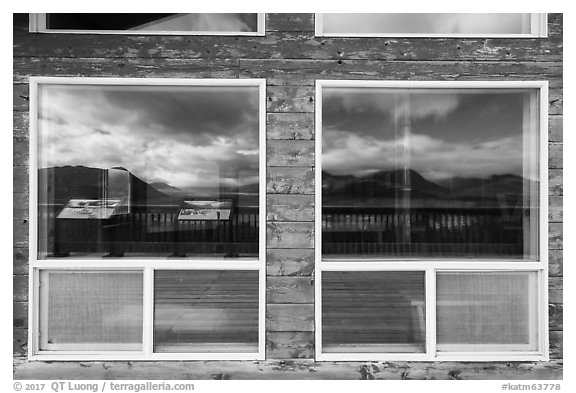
point(431, 25)
point(147, 225)
point(181, 24)
point(431, 220)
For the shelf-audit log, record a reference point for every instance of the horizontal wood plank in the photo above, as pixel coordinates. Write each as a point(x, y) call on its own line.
point(555, 236)
point(556, 316)
point(555, 125)
point(555, 156)
point(290, 262)
point(20, 97)
point(286, 180)
point(20, 261)
point(290, 290)
point(556, 344)
point(20, 342)
point(20, 284)
point(292, 126)
point(290, 235)
point(281, 207)
point(290, 318)
point(555, 285)
point(289, 345)
point(24, 68)
point(555, 263)
point(294, 99)
point(20, 314)
point(289, 153)
point(555, 209)
point(306, 72)
point(555, 182)
point(288, 369)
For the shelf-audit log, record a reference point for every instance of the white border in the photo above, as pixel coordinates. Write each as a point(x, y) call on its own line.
point(146, 265)
point(431, 266)
point(538, 29)
point(37, 24)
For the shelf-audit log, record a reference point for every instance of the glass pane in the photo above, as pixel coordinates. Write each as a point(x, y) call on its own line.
point(494, 311)
point(432, 23)
point(429, 173)
point(148, 171)
point(205, 311)
point(215, 22)
point(84, 310)
point(373, 312)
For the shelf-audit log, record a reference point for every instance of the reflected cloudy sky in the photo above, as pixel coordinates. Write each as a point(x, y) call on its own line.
point(205, 22)
point(453, 133)
point(187, 137)
point(439, 23)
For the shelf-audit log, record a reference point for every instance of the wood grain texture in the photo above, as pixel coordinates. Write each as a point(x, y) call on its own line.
point(290, 235)
point(289, 345)
point(281, 207)
point(20, 125)
point(123, 67)
point(555, 263)
point(20, 314)
point(289, 153)
point(556, 344)
point(20, 97)
point(555, 156)
point(20, 343)
point(20, 261)
point(291, 126)
point(556, 102)
point(289, 290)
point(290, 99)
point(555, 209)
point(290, 318)
point(555, 236)
point(20, 285)
point(306, 72)
point(555, 125)
point(555, 182)
point(288, 370)
point(285, 180)
point(555, 290)
point(290, 262)
point(556, 316)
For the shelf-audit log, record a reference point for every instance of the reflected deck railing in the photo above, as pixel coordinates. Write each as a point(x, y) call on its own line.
point(427, 231)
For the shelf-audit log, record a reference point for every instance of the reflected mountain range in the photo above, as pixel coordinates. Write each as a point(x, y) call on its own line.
point(81, 182)
point(385, 188)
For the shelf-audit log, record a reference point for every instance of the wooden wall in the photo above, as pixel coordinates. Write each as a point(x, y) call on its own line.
point(291, 59)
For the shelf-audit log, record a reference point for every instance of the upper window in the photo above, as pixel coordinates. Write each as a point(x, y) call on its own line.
point(431, 25)
point(181, 24)
point(148, 170)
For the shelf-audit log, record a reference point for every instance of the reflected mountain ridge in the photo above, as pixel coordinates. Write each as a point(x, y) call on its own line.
point(386, 188)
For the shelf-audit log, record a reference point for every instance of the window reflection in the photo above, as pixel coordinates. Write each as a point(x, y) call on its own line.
point(429, 173)
point(148, 171)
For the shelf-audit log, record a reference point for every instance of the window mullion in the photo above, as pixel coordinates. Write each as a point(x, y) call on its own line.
point(148, 317)
point(431, 312)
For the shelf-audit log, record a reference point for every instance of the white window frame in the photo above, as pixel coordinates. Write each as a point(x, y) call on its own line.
point(434, 265)
point(147, 266)
point(538, 29)
point(37, 24)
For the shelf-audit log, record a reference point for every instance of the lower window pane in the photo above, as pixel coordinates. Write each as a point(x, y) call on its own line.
point(205, 311)
point(373, 312)
point(487, 311)
point(90, 310)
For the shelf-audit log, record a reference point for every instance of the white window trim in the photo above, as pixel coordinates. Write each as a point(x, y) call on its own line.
point(538, 29)
point(37, 24)
point(431, 266)
point(147, 266)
